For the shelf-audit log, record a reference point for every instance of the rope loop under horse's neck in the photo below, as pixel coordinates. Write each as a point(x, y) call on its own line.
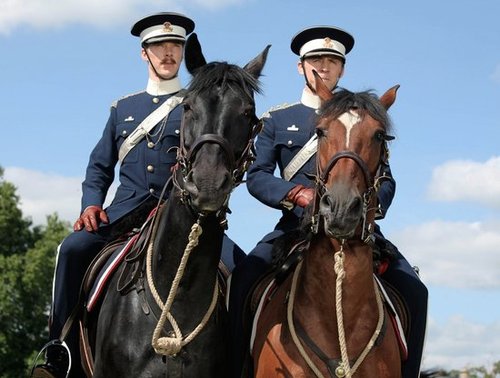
point(344, 369)
point(171, 345)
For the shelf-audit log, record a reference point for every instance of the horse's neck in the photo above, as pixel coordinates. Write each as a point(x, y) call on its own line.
point(319, 277)
point(171, 244)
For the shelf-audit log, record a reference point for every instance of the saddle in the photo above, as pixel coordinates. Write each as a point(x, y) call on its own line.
point(129, 248)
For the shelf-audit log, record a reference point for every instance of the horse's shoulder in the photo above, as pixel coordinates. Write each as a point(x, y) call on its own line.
point(114, 104)
point(277, 108)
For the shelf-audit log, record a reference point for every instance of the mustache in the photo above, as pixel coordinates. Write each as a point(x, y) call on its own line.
point(168, 61)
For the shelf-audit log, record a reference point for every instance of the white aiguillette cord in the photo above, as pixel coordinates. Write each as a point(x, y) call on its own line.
point(147, 125)
point(301, 158)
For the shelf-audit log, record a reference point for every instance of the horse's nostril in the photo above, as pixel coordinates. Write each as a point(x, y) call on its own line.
point(326, 201)
point(356, 205)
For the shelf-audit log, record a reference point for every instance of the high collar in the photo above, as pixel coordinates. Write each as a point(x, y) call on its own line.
point(164, 87)
point(310, 100)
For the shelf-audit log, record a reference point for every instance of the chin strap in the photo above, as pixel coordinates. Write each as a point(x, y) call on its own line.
point(153, 67)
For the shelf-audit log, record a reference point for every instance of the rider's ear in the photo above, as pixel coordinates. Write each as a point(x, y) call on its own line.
point(300, 67)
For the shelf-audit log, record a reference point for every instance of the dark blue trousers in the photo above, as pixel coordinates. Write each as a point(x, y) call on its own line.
point(75, 254)
point(244, 276)
point(403, 277)
point(400, 274)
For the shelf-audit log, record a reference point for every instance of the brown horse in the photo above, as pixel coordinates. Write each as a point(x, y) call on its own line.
point(327, 317)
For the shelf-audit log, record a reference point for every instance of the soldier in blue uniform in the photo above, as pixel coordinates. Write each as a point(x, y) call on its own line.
point(287, 129)
point(140, 134)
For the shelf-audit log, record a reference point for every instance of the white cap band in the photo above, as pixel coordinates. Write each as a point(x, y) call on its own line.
point(322, 46)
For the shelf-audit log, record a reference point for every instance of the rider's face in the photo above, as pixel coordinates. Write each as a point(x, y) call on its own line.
point(166, 58)
point(329, 67)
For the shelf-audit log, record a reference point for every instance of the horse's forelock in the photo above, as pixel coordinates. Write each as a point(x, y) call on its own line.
point(223, 75)
point(345, 100)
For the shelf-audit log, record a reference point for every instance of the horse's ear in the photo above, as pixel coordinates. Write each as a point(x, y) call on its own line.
point(321, 89)
point(389, 97)
point(254, 67)
point(193, 54)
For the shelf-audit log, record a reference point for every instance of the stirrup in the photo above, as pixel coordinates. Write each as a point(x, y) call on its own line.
point(52, 343)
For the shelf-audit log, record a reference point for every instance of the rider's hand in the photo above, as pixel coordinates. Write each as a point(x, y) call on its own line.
point(300, 195)
point(90, 219)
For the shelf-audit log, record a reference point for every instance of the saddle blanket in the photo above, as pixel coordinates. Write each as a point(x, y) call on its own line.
point(107, 270)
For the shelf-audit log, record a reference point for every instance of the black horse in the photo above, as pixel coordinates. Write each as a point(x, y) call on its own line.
point(177, 325)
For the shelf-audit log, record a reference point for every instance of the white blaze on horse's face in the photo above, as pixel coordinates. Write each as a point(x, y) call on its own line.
point(349, 120)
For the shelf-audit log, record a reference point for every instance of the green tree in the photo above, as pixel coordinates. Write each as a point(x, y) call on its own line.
point(15, 232)
point(27, 256)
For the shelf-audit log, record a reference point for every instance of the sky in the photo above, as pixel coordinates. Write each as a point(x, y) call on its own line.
point(63, 63)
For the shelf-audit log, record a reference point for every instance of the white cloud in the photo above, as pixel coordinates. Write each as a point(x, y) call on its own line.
point(49, 14)
point(43, 194)
point(454, 254)
point(459, 344)
point(463, 180)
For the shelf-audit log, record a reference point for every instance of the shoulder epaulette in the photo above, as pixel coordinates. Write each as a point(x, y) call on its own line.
point(277, 107)
point(114, 104)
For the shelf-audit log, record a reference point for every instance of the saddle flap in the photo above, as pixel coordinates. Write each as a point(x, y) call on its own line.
point(114, 256)
point(398, 313)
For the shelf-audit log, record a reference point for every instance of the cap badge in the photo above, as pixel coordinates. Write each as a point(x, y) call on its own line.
point(167, 27)
point(327, 42)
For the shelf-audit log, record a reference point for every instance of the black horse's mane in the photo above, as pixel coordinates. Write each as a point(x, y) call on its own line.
point(223, 75)
point(345, 100)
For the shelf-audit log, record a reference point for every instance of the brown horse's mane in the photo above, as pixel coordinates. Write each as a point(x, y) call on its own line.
point(344, 100)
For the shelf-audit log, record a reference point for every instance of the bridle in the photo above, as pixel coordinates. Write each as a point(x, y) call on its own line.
point(238, 167)
point(372, 184)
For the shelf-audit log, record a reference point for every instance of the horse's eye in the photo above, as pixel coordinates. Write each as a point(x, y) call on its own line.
point(380, 136)
point(249, 112)
point(320, 132)
point(186, 106)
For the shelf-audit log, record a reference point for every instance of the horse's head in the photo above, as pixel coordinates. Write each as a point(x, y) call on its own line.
point(218, 128)
point(352, 130)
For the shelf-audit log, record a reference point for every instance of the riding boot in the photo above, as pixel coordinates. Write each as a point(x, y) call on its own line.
point(56, 364)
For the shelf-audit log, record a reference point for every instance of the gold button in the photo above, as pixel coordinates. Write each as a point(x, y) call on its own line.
point(289, 142)
point(151, 191)
point(124, 132)
point(156, 100)
point(150, 168)
point(177, 131)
